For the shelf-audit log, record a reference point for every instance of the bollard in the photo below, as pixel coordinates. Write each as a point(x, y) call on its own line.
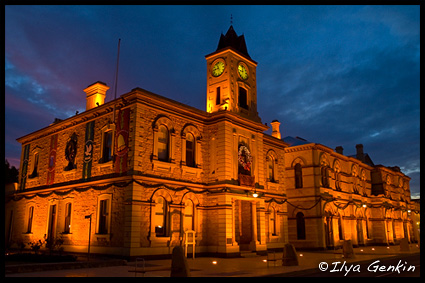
point(290, 257)
point(179, 266)
point(404, 245)
point(347, 249)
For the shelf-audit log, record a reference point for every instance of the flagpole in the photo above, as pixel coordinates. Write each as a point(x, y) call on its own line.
point(115, 98)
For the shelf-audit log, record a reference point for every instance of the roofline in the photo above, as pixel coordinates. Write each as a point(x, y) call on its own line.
point(229, 48)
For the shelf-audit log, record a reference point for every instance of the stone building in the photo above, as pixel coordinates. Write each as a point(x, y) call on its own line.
point(144, 170)
point(333, 197)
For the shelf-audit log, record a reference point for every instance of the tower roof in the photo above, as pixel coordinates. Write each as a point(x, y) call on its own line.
point(231, 39)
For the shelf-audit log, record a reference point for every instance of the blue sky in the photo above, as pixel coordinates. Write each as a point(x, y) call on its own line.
point(335, 75)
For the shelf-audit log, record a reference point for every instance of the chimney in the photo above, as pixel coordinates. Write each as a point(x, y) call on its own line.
point(96, 94)
point(360, 154)
point(275, 127)
point(339, 149)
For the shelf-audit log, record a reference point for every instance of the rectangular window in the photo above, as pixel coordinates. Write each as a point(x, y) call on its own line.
point(103, 217)
point(67, 228)
point(51, 233)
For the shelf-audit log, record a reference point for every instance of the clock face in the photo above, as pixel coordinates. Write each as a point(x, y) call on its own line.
point(218, 69)
point(243, 73)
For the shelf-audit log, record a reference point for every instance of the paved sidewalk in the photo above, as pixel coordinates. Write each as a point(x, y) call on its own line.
point(229, 267)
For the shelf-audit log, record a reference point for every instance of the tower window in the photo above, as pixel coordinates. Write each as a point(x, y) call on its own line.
point(217, 97)
point(243, 98)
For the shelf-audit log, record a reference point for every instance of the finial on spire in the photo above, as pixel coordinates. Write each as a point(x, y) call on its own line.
point(231, 19)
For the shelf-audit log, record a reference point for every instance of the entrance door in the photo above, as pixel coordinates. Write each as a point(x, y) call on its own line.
point(360, 238)
point(243, 224)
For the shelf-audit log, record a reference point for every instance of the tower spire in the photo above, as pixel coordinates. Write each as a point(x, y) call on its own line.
point(231, 19)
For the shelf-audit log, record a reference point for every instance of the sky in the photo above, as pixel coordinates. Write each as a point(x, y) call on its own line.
point(334, 75)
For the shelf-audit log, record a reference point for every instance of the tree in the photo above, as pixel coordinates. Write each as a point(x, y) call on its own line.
point(11, 174)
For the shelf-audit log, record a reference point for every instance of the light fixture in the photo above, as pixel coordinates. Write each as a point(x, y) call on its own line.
point(364, 205)
point(255, 194)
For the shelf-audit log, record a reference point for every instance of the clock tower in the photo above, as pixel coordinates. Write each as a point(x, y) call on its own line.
point(231, 78)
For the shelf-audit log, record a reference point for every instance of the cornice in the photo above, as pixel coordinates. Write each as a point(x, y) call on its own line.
point(72, 121)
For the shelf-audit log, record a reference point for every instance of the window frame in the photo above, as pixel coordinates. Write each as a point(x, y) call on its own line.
point(106, 218)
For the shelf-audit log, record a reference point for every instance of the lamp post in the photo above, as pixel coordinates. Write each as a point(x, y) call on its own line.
point(88, 250)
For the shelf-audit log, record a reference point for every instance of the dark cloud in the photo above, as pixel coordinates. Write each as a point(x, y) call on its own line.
point(336, 75)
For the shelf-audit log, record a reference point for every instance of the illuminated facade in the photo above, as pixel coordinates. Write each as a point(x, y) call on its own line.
point(335, 197)
point(146, 169)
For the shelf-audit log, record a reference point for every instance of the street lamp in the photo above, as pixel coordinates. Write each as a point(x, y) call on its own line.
point(88, 250)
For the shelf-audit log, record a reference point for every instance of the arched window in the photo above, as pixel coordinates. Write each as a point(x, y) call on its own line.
point(188, 221)
point(163, 143)
point(160, 217)
point(107, 146)
point(68, 209)
point(325, 176)
point(30, 218)
point(270, 168)
point(300, 226)
point(190, 150)
point(34, 165)
point(272, 221)
point(298, 176)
